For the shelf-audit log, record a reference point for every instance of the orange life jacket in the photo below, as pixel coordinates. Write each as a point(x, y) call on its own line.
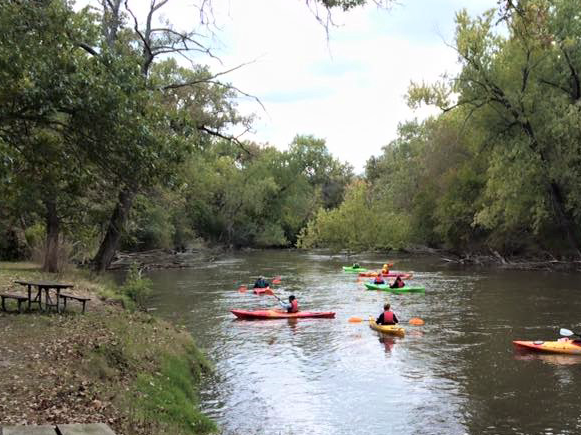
point(294, 306)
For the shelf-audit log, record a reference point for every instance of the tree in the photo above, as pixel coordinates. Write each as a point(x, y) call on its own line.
point(43, 74)
point(523, 90)
point(177, 102)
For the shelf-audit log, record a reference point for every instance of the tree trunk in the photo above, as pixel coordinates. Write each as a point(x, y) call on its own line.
point(51, 255)
point(116, 223)
point(565, 223)
point(563, 220)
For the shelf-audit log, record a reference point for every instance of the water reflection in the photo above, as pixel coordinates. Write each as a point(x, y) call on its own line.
point(548, 358)
point(457, 374)
point(387, 341)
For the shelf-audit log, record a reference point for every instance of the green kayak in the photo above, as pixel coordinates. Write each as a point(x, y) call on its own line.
point(385, 287)
point(354, 269)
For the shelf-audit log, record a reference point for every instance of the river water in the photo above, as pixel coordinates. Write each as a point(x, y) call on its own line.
point(457, 374)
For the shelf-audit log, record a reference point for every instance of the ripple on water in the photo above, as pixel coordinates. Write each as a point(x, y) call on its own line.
point(456, 374)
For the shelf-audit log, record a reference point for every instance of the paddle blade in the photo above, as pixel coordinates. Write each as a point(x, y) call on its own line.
point(416, 321)
point(566, 332)
point(268, 292)
point(355, 319)
point(242, 288)
point(276, 280)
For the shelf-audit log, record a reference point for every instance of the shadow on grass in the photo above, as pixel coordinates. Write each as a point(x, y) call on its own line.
point(20, 266)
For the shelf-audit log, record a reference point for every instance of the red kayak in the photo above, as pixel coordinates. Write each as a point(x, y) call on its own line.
point(276, 314)
point(403, 275)
point(260, 290)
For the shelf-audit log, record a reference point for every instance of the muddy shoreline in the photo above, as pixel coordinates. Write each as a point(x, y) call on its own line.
point(170, 259)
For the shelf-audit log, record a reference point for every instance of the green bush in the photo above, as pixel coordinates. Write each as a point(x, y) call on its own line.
point(136, 286)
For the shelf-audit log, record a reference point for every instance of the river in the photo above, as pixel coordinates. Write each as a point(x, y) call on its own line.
point(457, 374)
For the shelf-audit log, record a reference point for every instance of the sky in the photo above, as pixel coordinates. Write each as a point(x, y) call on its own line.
point(347, 87)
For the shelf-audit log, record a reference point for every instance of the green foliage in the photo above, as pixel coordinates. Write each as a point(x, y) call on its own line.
point(171, 398)
point(151, 227)
point(35, 235)
point(499, 169)
point(263, 198)
point(357, 224)
point(136, 286)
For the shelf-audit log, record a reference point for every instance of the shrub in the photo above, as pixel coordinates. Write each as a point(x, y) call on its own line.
point(136, 286)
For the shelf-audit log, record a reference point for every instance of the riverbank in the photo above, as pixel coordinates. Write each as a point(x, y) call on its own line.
point(493, 259)
point(169, 259)
point(135, 372)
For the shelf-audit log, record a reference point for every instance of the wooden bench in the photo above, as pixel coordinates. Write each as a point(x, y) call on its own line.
point(77, 298)
point(19, 298)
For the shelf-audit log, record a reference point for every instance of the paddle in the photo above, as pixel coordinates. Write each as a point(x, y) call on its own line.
point(413, 321)
point(567, 332)
point(271, 293)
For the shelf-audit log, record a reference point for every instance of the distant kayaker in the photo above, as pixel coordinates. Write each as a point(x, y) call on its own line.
point(398, 283)
point(385, 269)
point(261, 283)
point(292, 306)
point(355, 266)
point(388, 317)
point(379, 279)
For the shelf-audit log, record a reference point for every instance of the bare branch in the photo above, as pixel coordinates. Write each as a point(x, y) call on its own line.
point(207, 79)
point(226, 137)
point(555, 85)
point(148, 55)
point(87, 48)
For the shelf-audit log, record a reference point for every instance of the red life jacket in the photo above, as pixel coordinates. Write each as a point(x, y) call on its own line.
point(379, 280)
point(388, 318)
point(294, 306)
point(400, 283)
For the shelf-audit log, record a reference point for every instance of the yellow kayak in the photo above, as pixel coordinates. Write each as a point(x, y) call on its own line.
point(387, 329)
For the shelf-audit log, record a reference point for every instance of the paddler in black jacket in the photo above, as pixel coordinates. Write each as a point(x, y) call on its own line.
point(388, 317)
point(261, 283)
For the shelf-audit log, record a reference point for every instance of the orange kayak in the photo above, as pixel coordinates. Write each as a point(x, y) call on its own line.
point(276, 314)
point(563, 345)
point(260, 290)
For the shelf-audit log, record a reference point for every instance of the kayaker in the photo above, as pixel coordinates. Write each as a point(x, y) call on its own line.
point(388, 317)
point(398, 283)
point(385, 269)
point(379, 279)
point(355, 266)
point(261, 283)
point(292, 306)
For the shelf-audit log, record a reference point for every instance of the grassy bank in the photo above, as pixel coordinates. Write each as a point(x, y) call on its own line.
point(133, 371)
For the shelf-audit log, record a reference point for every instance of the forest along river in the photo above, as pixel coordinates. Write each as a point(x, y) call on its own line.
point(456, 374)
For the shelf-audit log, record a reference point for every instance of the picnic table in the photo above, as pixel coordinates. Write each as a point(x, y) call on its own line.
point(46, 287)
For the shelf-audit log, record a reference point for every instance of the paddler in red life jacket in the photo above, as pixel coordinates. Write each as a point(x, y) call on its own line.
point(387, 317)
point(292, 306)
point(398, 283)
point(379, 279)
